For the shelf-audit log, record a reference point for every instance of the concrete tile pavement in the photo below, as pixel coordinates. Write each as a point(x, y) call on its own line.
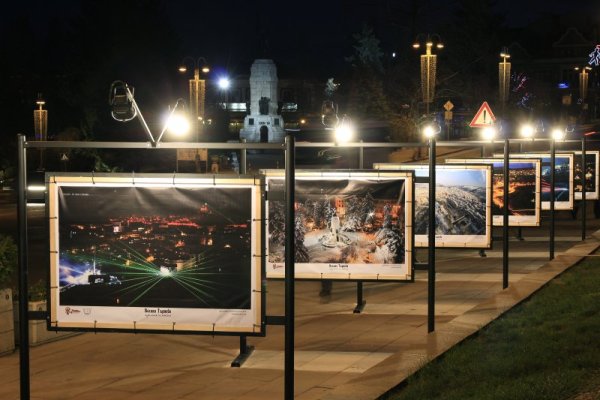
point(339, 354)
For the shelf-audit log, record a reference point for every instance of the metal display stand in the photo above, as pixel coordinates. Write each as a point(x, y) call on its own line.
point(288, 319)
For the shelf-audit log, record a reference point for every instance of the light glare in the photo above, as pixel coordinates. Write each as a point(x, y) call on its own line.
point(429, 131)
point(558, 134)
point(488, 133)
point(224, 83)
point(344, 132)
point(527, 131)
point(178, 125)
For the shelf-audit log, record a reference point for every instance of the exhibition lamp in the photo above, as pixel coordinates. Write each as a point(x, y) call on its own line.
point(527, 131)
point(558, 134)
point(344, 131)
point(176, 122)
point(431, 130)
point(489, 133)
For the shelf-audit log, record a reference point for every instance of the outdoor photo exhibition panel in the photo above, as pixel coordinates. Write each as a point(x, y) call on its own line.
point(524, 178)
point(156, 253)
point(349, 225)
point(563, 179)
point(463, 204)
point(591, 174)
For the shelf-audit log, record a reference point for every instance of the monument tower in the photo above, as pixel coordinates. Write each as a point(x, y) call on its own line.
point(263, 124)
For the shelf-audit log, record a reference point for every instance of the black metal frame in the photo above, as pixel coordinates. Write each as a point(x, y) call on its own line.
point(289, 148)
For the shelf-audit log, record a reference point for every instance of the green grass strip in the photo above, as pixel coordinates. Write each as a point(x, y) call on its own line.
point(545, 348)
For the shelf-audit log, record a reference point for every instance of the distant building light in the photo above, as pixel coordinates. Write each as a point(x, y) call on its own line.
point(563, 85)
point(394, 54)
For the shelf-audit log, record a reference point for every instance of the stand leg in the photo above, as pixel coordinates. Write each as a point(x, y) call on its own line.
point(360, 303)
point(519, 234)
point(482, 253)
point(245, 352)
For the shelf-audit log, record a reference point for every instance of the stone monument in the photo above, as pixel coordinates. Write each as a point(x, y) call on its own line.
point(263, 124)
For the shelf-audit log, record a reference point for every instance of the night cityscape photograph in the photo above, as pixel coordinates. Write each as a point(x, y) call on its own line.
point(155, 247)
point(344, 199)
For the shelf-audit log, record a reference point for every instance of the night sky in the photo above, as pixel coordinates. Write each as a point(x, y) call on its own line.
point(70, 51)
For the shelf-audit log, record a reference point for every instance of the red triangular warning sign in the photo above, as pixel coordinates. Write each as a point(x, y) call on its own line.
point(484, 117)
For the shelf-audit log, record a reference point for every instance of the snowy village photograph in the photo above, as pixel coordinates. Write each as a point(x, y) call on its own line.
point(347, 227)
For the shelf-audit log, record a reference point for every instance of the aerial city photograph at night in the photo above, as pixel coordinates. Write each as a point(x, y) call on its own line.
point(349, 199)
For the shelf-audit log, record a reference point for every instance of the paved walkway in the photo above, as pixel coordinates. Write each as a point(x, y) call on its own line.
point(339, 354)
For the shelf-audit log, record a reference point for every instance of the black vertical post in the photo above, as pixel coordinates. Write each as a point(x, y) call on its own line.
point(361, 156)
point(23, 271)
point(243, 164)
point(505, 215)
point(583, 189)
point(290, 224)
point(360, 303)
point(552, 178)
point(431, 239)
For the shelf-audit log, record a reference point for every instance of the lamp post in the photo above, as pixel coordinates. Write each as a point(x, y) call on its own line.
point(430, 131)
point(428, 66)
point(40, 126)
point(197, 91)
point(583, 84)
point(503, 78)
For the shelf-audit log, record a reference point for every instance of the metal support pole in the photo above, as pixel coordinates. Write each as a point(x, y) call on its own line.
point(361, 157)
point(245, 352)
point(431, 241)
point(360, 302)
point(552, 178)
point(243, 165)
point(290, 224)
point(23, 271)
point(583, 190)
point(505, 215)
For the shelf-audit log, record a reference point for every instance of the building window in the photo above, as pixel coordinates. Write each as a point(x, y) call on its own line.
point(250, 121)
point(276, 121)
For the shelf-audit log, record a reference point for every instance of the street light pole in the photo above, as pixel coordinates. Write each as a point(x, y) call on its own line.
point(40, 125)
point(428, 68)
point(504, 79)
point(197, 89)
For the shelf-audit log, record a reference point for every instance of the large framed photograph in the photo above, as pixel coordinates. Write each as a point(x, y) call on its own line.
point(524, 178)
point(349, 225)
point(590, 171)
point(463, 204)
point(563, 179)
point(156, 253)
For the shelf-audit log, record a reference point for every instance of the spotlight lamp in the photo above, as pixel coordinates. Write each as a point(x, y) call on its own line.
point(527, 131)
point(121, 102)
point(488, 133)
point(558, 134)
point(344, 132)
point(431, 130)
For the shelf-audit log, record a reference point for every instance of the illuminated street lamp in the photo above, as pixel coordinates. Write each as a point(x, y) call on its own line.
point(428, 66)
point(430, 131)
point(197, 91)
point(583, 84)
point(40, 126)
point(504, 78)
